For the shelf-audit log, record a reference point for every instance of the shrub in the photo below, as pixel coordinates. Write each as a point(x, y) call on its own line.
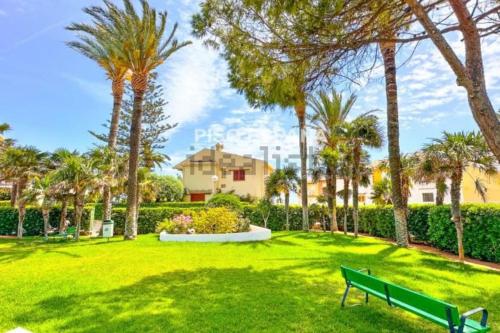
point(169, 188)
point(5, 194)
point(481, 230)
point(180, 224)
point(33, 221)
point(4, 203)
point(217, 220)
point(227, 200)
point(180, 204)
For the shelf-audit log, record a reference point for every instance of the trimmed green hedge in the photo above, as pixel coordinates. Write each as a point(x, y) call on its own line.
point(426, 223)
point(4, 203)
point(149, 217)
point(33, 221)
point(182, 204)
point(481, 230)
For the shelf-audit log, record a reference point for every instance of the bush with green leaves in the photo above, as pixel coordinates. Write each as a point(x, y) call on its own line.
point(168, 188)
point(481, 230)
point(179, 224)
point(227, 200)
point(178, 204)
point(217, 220)
point(5, 194)
point(33, 221)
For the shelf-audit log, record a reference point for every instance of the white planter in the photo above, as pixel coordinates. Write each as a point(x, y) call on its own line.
point(255, 234)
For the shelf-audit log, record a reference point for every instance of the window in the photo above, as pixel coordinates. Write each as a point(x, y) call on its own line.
point(428, 197)
point(238, 175)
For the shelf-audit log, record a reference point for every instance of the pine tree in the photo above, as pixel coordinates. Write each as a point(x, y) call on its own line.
point(154, 125)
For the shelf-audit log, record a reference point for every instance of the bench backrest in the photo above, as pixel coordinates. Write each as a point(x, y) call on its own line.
point(413, 299)
point(364, 279)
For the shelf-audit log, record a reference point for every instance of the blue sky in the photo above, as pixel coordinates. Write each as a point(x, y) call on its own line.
point(52, 96)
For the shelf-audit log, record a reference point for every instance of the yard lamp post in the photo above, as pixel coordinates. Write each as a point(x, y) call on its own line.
point(214, 183)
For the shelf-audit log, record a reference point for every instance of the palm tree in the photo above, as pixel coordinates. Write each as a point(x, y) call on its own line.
point(459, 151)
point(283, 181)
point(100, 45)
point(21, 164)
point(140, 45)
point(329, 115)
point(381, 194)
point(431, 169)
point(79, 173)
point(362, 131)
point(409, 170)
point(43, 193)
point(4, 144)
point(344, 164)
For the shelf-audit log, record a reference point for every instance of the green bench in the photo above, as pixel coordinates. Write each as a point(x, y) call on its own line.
point(70, 231)
point(437, 311)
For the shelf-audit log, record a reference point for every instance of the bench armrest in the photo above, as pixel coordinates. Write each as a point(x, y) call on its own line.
point(365, 270)
point(463, 318)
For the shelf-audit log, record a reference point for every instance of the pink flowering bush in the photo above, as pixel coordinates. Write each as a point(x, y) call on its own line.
point(180, 224)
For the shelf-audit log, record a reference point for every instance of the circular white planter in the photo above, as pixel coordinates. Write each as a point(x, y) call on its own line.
point(255, 234)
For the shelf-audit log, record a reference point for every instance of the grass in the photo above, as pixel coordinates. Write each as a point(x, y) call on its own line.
point(290, 283)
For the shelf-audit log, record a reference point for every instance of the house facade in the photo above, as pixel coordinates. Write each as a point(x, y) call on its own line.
point(420, 192)
point(212, 171)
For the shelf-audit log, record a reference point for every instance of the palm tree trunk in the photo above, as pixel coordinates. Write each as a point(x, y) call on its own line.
point(45, 214)
point(333, 194)
point(346, 202)
point(470, 76)
point(112, 138)
point(287, 211)
point(78, 204)
point(300, 109)
point(456, 182)
point(64, 214)
point(139, 84)
point(355, 184)
point(388, 53)
point(21, 204)
point(13, 194)
point(440, 190)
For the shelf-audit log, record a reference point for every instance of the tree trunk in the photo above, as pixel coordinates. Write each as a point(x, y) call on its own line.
point(333, 193)
point(440, 190)
point(355, 186)
point(45, 214)
point(112, 138)
point(470, 76)
point(346, 202)
point(64, 214)
point(300, 109)
point(287, 211)
point(456, 182)
point(21, 204)
point(388, 53)
point(13, 194)
point(139, 84)
point(78, 204)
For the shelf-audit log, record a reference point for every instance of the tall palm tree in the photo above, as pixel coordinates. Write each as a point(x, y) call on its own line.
point(329, 113)
point(283, 181)
point(364, 131)
point(140, 45)
point(459, 151)
point(21, 164)
point(344, 171)
point(381, 194)
point(4, 144)
point(79, 173)
point(100, 46)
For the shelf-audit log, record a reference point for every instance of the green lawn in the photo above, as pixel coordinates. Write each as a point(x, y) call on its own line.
point(291, 283)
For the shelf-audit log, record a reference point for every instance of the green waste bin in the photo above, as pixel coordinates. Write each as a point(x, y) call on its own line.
point(107, 228)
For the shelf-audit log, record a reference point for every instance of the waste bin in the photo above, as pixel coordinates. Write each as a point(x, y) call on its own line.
point(107, 228)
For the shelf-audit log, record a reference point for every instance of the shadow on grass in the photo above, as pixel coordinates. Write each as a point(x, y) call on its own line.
point(218, 300)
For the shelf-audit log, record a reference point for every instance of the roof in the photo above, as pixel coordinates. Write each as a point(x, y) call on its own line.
point(214, 155)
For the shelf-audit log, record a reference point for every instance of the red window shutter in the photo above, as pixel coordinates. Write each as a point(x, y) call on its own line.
point(238, 175)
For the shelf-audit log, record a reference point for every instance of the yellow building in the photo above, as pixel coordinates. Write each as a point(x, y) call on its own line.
point(212, 171)
point(421, 192)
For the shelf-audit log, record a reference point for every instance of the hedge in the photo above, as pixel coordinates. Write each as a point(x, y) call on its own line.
point(149, 217)
point(426, 223)
point(33, 221)
point(99, 206)
point(481, 230)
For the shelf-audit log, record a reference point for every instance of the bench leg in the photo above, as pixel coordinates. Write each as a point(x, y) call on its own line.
point(345, 295)
point(366, 298)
